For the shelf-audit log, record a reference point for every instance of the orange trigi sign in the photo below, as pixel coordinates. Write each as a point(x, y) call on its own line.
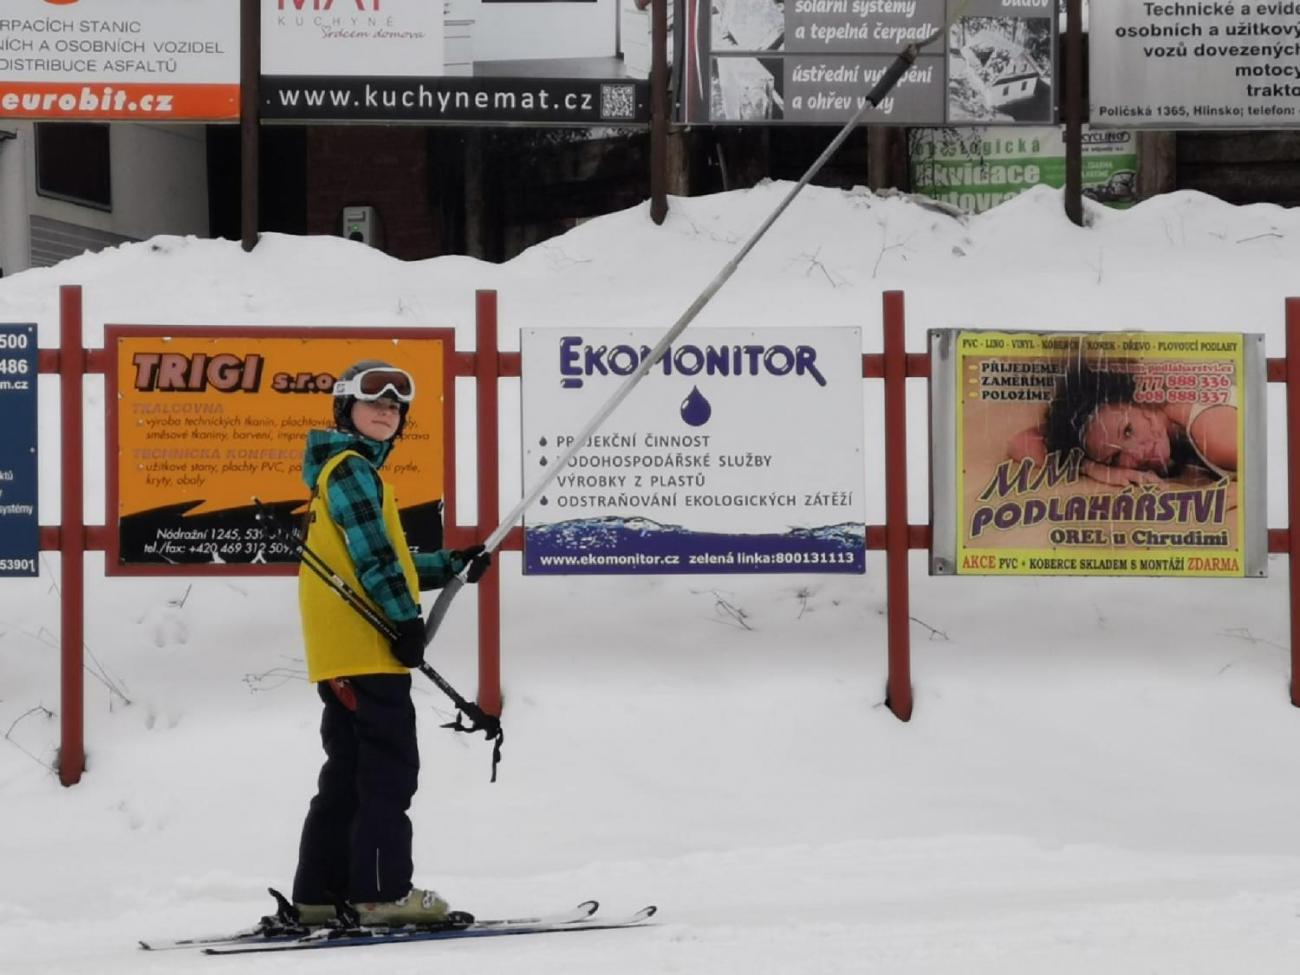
point(203, 420)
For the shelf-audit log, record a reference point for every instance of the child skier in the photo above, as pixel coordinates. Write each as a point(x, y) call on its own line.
point(356, 840)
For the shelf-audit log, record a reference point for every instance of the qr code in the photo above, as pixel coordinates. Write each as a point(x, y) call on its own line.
point(618, 102)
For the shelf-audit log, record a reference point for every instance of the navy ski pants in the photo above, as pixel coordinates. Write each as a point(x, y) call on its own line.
point(356, 840)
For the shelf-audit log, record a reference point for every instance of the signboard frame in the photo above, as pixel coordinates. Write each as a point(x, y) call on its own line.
point(1000, 164)
point(107, 68)
point(770, 54)
point(673, 499)
point(113, 565)
point(483, 63)
point(944, 446)
point(1172, 66)
point(20, 546)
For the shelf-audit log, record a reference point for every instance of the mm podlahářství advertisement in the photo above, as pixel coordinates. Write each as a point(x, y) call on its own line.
point(1102, 454)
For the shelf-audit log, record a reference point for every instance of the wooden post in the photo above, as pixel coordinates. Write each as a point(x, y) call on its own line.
point(680, 147)
point(1293, 482)
point(486, 371)
point(250, 56)
point(659, 111)
point(72, 540)
point(897, 532)
point(1157, 154)
point(881, 140)
point(477, 231)
point(1074, 111)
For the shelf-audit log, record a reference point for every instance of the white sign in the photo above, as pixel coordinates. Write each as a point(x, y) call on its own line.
point(1195, 64)
point(119, 59)
point(740, 451)
point(527, 31)
point(333, 38)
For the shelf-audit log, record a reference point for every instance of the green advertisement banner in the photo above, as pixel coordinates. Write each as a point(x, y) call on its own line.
point(975, 169)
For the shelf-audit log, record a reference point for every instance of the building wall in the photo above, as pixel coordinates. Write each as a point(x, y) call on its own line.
point(159, 179)
point(383, 167)
point(15, 249)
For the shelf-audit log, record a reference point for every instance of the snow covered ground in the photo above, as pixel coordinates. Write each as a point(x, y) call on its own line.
point(1101, 775)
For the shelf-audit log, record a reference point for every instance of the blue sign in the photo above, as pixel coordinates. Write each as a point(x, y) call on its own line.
point(19, 528)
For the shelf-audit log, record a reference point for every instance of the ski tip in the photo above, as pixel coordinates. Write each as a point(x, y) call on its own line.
point(590, 907)
point(145, 945)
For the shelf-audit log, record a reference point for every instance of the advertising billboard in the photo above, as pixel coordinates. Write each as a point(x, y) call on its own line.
point(19, 524)
point(978, 168)
point(543, 62)
point(1103, 453)
point(201, 421)
point(1194, 65)
point(105, 60)
point(814, 61)
point(740, 451)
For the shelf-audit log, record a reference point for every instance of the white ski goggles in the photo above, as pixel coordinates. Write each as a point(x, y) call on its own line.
point(371, 384)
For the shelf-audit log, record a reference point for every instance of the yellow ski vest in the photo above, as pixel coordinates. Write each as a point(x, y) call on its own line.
point(339, 641)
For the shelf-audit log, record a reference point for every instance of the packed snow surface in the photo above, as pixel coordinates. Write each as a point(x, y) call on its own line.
point(1100, 775)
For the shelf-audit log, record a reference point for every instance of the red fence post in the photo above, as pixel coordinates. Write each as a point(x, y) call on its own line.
point(72, 538)
point(899, 693)
point(486, 372)
point(1293, 481)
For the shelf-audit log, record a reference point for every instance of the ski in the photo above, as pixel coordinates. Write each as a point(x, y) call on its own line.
point(279, 927)
point(358, 937)
point(263, 932)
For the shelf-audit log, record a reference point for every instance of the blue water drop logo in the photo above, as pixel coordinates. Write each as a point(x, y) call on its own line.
point(696, 410)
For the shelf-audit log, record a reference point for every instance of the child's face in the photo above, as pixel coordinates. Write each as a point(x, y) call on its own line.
point(1131, 437)
point(377, 419)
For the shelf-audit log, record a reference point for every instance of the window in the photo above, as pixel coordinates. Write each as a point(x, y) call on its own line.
point(72, 163)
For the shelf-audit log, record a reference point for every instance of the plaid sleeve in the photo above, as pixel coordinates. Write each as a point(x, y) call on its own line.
point(355, 496)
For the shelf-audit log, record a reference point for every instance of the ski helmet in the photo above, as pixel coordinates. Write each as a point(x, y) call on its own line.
point(343, 404)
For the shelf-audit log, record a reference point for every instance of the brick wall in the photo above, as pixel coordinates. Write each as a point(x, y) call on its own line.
point(383, 167)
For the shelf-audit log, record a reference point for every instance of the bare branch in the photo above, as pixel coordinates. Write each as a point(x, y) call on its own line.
point(39, 709)
point(934, 633)
point(735, 616)
point(1243, 633)
point(274, 678)
point(1272, 233)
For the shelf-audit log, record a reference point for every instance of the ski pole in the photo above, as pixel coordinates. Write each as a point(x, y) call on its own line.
point(480, 720)
point(904, 60)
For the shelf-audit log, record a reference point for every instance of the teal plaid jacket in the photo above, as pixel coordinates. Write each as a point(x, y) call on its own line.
point(355, 497)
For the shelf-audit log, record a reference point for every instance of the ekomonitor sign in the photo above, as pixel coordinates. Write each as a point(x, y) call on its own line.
point(1189, 64)
point(119, 59)
point(19, 525)
point(740, 451)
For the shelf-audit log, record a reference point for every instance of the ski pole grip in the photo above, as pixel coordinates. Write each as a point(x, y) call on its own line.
point(489, 724)
point(905, 59)
point(440, 607)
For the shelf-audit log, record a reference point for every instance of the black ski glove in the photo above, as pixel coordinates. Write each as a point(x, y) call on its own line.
point(408, 645)
point(478, 560)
